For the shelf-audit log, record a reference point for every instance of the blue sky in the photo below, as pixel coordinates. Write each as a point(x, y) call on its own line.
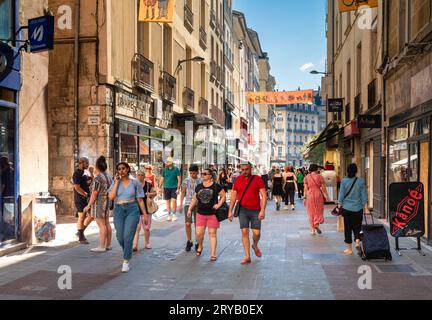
point(293, 34)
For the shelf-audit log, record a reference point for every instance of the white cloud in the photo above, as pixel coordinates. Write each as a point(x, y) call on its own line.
point(306, 67)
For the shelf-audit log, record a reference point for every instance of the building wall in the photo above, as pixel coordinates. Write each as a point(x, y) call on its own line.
point(33, 117)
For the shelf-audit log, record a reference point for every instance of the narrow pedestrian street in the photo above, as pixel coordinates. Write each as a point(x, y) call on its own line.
point(294, 266)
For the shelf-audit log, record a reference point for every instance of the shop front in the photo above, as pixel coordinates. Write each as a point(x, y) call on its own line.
point(10, 85)
point(373, 163)
point(141, 134)
point(409, 152)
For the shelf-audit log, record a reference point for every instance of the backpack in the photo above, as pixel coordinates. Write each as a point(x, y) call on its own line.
point(46, 233)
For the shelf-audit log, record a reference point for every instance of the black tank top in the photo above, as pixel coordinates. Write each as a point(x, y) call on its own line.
point(290, 179)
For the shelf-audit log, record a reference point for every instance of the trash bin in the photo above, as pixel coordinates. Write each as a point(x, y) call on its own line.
point(44, 217)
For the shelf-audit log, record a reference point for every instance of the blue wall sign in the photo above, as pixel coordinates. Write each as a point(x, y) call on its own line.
point(41, 33)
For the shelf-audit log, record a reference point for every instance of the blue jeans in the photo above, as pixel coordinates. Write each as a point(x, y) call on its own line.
point(126, 218)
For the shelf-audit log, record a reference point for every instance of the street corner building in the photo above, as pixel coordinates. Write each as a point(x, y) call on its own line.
point(24, 126)
point(377, 89)
point(129, 81)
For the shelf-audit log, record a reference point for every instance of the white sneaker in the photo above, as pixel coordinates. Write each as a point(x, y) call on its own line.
point(169, 218)
point(174, 218)
point(98, 250)
point(125, 267)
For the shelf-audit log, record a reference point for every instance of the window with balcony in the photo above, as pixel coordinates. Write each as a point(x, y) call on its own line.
point(188, 16)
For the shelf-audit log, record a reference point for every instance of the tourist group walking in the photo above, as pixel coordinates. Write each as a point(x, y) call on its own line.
point(207, 197)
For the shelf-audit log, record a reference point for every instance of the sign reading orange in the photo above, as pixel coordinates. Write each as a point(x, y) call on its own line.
point(281, 98)
point(156, 11)
point(351, 5)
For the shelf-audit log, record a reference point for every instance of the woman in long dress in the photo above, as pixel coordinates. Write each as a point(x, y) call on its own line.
point(315, 191)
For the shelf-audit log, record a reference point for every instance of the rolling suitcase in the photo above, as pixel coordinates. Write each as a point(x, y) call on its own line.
point(375, 243)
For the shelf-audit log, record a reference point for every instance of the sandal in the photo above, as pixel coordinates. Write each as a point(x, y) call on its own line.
point(199, 253)
point(213, 258)
point(246, 261)
point(257, 251)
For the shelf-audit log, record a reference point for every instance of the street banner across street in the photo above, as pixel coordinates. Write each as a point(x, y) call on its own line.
point(156, 11)
point(281, 98)
point(352, 5)
point(406, 204)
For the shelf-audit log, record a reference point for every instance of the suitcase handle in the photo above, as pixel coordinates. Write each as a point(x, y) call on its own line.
point(365, 217)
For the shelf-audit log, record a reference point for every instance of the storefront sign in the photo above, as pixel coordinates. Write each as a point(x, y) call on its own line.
point(406, 204)
point(132, 106)
point(281, 98)
point(351, 129)
point(6, 59)
point(41, 33)
point(161, 11)
point(335, 105)
point(369, 121)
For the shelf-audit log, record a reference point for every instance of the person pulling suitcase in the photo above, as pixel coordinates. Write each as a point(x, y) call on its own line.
point(353, 201)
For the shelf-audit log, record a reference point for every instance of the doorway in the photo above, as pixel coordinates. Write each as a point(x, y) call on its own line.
point(424, 178)
point(8, 217)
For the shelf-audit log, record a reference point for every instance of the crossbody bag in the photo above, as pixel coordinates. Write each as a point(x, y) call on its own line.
point(339, 211)
point(238, 204)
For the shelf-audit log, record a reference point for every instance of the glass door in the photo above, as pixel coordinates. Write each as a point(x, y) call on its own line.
point(7, 175)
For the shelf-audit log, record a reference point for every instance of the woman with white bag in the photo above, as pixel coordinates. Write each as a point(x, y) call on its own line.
point(151, 207)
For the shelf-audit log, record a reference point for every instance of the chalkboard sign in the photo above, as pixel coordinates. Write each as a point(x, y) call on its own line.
point(406, 204)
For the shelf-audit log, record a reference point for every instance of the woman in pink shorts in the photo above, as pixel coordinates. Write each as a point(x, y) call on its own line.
point(209, 197)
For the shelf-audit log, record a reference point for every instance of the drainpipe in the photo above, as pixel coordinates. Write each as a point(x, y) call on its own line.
point(76, 82)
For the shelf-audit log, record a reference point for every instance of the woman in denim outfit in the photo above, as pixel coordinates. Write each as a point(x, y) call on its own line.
point(128, 196)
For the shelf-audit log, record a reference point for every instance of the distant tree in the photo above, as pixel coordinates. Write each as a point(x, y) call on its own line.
point(317, 154)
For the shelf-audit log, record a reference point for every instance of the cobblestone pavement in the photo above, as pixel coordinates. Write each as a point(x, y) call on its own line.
point(294, 265)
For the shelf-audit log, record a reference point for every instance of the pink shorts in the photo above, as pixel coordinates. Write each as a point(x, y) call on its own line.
point(207, 221)
point(146, 227)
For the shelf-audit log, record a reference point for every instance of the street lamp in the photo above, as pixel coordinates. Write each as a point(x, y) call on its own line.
point(194, 59)
point(317, 72)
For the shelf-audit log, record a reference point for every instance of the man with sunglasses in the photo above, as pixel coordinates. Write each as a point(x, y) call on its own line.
point(252, 208)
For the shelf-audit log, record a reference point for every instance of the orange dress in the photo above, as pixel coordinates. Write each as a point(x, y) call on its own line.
point(315, 199)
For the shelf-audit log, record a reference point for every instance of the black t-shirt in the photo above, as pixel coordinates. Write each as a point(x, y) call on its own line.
point(81, 178)
point(207, 198)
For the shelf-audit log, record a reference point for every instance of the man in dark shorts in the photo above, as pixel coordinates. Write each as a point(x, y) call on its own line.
point(81, 196)
point(189, 186)
point(252, 210)
point(171, 184)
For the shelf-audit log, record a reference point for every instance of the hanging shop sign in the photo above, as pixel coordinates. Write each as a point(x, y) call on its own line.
point(352, 5)
point(281, 98)
point(369, 121)
point(335, 105)
point(41, 33)
point(406, 204)
point(156, 11)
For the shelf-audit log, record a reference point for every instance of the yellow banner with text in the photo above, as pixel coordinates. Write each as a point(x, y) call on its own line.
point(281, 98)
point(156, 11)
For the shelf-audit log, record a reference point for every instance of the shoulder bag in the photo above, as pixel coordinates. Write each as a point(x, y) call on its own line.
point(109, 182)
point(339, 211)
point(238, 204)
point(152, 206)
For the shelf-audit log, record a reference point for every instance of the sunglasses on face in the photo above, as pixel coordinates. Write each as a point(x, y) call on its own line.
point(205, 174)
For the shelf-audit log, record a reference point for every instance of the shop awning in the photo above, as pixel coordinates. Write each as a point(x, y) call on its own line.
point(331, 131)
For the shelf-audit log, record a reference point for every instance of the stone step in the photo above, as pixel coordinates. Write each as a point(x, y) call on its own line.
point(11, 248)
